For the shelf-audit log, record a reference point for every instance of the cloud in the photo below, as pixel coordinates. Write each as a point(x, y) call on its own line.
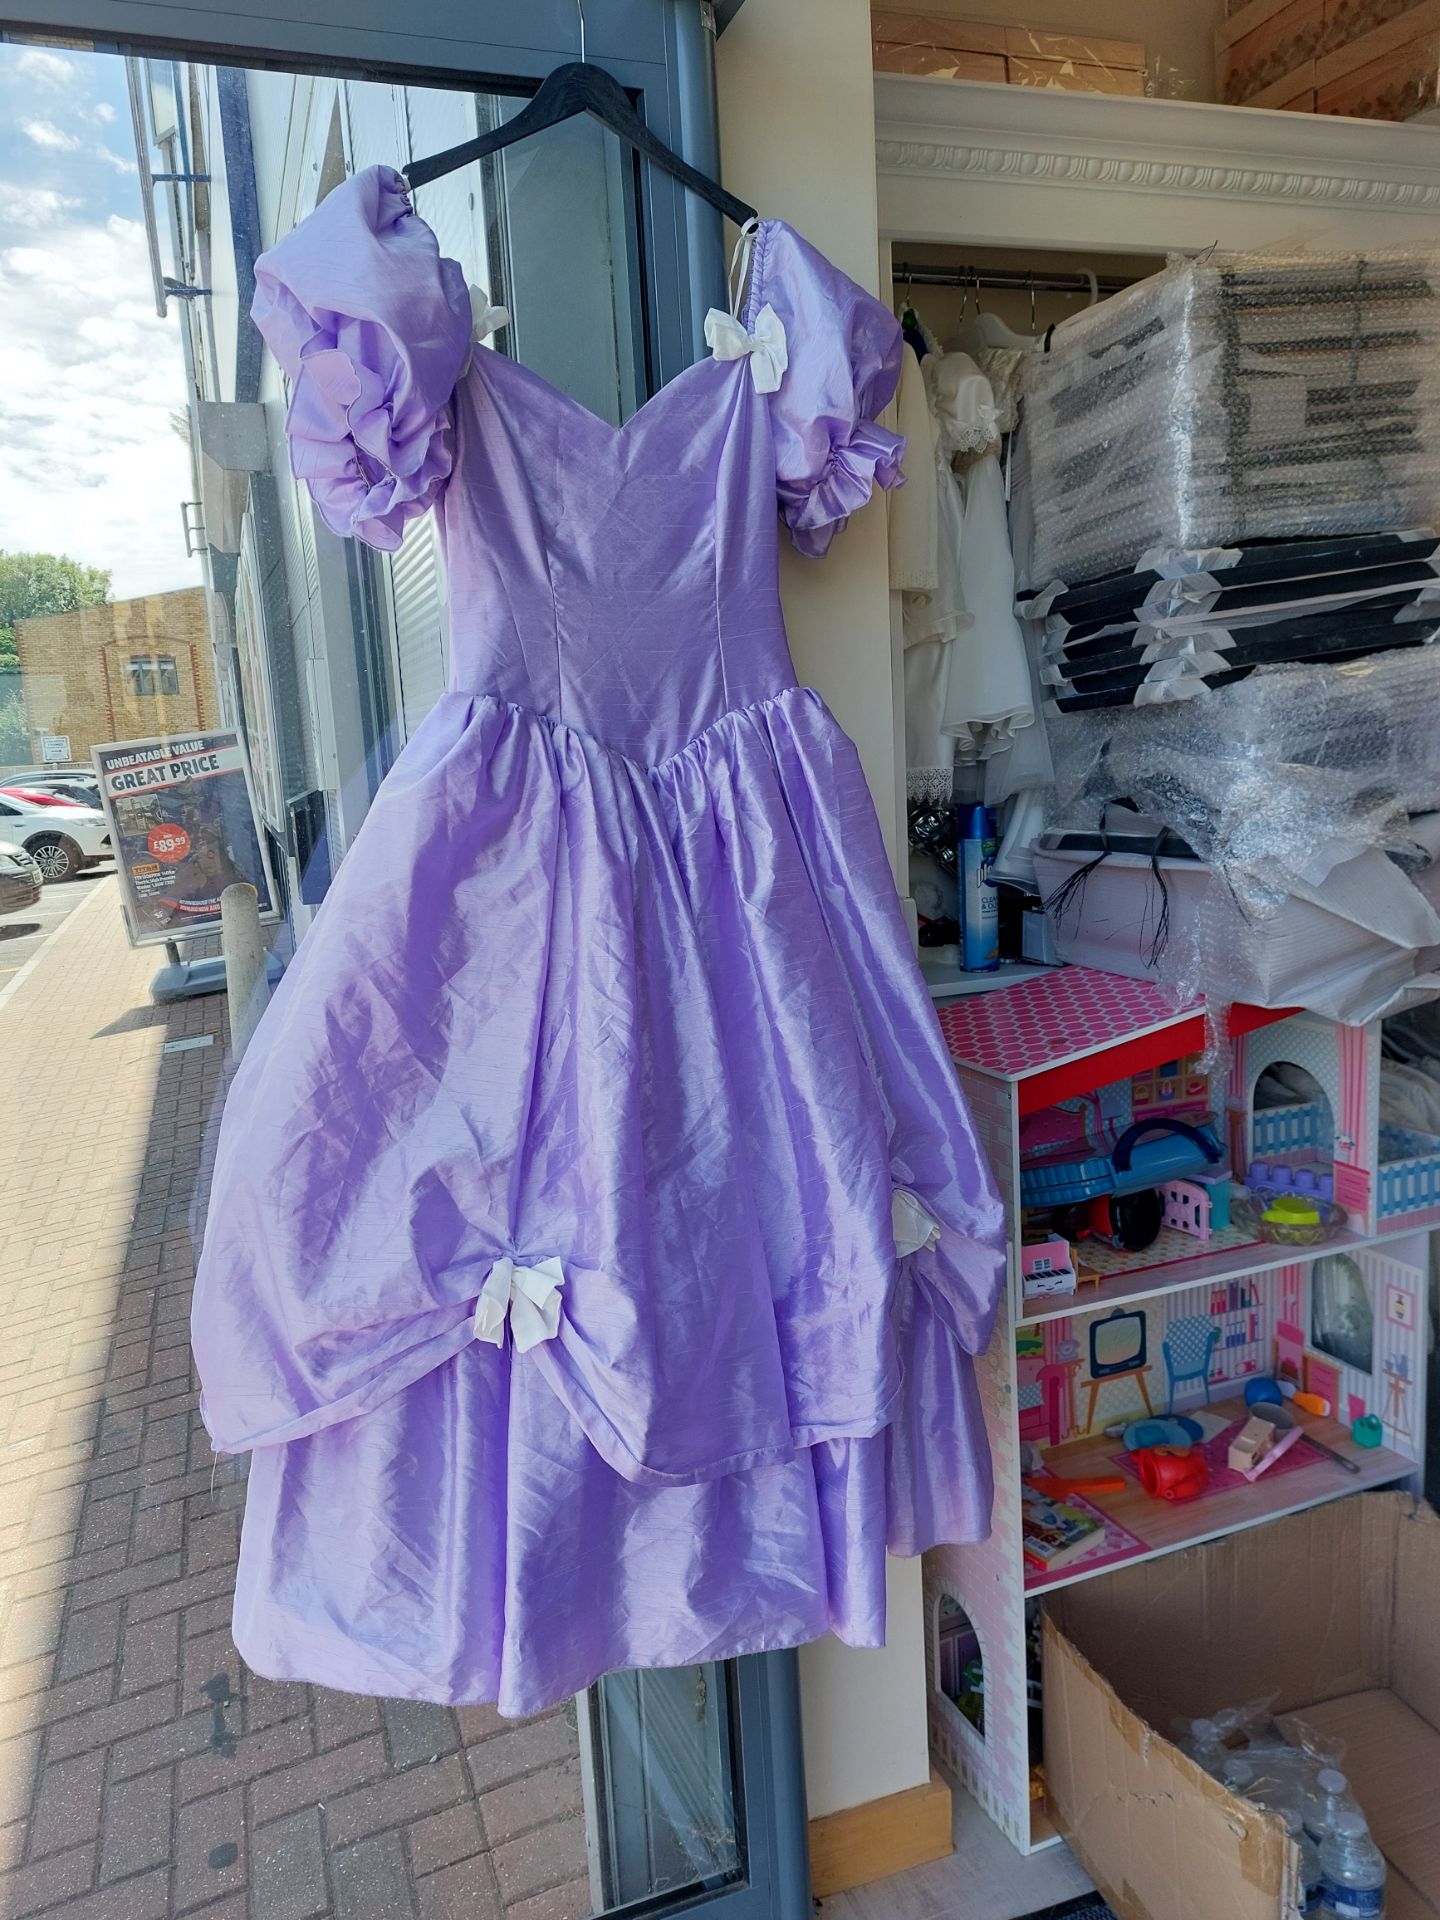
point(44, 133)
point(48, 69)
point(33, 206)
point(91, 378)
point(115, 160)
point(103, 111)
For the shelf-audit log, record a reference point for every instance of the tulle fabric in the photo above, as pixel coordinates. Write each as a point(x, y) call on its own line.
point(372, 326)
point(390, 1438)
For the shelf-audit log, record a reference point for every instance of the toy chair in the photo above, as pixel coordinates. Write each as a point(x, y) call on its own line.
point(1188, 1346)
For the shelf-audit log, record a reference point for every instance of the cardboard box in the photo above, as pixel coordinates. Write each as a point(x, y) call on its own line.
point(1395, 88)
point(938, 43)
point(1268, 50)
point(1075, 76)
point(1333, 1610)
point(1369, 59)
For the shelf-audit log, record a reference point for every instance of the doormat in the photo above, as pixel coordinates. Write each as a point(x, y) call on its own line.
point(1088, 1907)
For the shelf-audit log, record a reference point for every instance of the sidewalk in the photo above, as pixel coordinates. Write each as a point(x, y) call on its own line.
point(143, 1772)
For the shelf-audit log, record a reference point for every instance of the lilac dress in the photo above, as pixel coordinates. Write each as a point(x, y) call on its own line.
point(598, 1241)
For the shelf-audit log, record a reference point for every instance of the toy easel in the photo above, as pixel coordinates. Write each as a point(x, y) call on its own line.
point(1137, 1374)
point(1397, 1389)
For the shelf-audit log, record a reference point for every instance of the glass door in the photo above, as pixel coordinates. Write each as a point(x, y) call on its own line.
point(657, 1791)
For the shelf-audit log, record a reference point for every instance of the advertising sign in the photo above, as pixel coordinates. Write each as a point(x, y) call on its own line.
point(182, 821)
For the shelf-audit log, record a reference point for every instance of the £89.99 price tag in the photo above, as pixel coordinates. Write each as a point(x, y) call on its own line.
point(168, 842)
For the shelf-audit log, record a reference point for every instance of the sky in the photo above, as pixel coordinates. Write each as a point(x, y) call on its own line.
point(89, 376)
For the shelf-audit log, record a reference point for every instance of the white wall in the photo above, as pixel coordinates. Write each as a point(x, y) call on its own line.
point(797, 136)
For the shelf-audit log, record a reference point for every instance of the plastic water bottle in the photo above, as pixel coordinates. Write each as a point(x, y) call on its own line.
point(1326, 1801)
point(1311, 1882)
point(1206, 1748)
point(1352, 1871)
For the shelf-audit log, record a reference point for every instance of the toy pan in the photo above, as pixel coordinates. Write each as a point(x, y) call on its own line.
point(1137, 1159)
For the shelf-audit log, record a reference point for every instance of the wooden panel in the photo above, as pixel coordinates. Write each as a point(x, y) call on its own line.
point(870, 1842)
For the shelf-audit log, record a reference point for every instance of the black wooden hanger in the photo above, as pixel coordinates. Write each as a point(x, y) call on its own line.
point(570, 90)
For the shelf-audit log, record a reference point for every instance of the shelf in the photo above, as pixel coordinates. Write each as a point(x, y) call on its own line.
point(948, 980)
point(1178, 1268)
point(1165, 1528)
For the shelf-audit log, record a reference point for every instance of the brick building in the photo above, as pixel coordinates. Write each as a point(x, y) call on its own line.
point(122, 671)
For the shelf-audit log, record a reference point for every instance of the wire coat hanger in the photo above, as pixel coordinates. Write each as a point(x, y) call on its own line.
point(568, 91)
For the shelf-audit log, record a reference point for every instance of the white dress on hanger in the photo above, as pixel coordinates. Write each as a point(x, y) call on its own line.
point(913, 510)
point(988, 695)
point(933, 606)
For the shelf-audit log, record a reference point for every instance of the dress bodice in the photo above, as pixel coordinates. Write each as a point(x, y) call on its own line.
point(618, 580)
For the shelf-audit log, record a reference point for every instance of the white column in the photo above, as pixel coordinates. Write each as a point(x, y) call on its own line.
point(797, 134)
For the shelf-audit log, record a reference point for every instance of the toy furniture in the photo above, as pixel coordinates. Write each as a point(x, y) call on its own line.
point(1117, 1352)
point(1046, 1267)
point(1187, 1347)
point(1187, 1208)
point(1249, 1446)
point(1171, 1473)
point(1075, 1035)
point(1057, 1384)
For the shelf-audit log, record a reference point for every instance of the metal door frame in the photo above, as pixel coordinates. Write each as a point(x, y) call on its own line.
point(662, 50)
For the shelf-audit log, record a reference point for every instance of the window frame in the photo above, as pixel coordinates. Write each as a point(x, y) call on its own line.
point(156, 667)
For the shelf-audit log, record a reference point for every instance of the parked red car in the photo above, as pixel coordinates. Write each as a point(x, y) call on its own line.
point(37, 798)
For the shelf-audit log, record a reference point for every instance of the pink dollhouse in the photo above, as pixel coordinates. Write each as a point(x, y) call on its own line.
point(1180, 1329)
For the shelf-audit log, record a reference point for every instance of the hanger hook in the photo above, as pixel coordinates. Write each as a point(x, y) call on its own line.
point(580, 10)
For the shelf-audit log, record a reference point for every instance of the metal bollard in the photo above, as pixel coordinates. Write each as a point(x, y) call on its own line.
point(243, 945)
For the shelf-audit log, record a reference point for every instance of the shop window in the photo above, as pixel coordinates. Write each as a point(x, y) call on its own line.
point(1342, 1319)
point(959, 1662)
point(152, 674)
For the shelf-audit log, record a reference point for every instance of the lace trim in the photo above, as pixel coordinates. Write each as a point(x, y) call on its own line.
point(929, 786)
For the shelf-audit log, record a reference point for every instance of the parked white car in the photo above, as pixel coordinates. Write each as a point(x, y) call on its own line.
point(20, 880)
point(61, 840)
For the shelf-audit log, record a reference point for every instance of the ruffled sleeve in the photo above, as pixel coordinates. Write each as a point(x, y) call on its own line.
point(373, 328)
point(843, 368)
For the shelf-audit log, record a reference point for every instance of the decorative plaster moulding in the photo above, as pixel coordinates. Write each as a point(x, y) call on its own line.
point(934, 136)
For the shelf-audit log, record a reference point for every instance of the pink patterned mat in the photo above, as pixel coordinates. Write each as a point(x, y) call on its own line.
point(1116, 1543)
point(1222, 1479)
point(1056, 1017)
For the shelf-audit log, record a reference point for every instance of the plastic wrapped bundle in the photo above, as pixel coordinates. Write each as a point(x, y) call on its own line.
point(1236, 397)
point(1303, 791)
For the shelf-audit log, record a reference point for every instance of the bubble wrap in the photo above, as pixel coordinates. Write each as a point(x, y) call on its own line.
point(1298, 783)
point(1233, 397)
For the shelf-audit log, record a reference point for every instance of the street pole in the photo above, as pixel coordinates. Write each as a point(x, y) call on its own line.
point(243, 945)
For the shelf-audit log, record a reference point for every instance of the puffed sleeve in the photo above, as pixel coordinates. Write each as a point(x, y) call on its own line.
point(843, 352)
point(373, 328)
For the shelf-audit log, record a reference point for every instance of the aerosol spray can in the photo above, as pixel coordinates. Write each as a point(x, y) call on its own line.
point(979, 902)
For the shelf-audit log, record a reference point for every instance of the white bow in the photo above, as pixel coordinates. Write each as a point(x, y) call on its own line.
point(769, 357)
point(912, 1226)
point(531, 1297)
point(485, 319)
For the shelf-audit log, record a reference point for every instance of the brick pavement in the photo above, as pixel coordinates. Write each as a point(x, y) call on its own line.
point(144, 1772)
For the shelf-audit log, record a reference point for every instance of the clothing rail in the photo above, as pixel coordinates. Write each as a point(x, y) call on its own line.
point(1007, 279)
